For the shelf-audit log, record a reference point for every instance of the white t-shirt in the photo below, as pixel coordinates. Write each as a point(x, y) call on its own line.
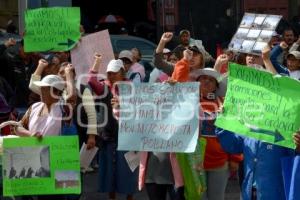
point(295, 74)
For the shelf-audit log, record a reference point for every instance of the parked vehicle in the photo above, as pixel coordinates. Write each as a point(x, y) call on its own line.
point(122, 42)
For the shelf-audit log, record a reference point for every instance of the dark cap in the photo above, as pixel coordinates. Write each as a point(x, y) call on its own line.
point(194, 49)
point(184, 31)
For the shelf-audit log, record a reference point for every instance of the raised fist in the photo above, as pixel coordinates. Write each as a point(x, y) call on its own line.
point(188, 54)
point(43, 63)
point(284, 45)
point(10, 42)
point(166, 37)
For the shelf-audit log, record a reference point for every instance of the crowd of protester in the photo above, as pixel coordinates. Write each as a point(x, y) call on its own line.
point(45, 84)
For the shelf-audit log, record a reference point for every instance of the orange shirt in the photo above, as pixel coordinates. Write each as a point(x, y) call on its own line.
point(181, 71)
point(215, 156)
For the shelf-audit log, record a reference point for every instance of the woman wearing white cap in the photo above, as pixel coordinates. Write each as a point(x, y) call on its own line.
point(67, 73)
point(115, 175)
point(44, 118)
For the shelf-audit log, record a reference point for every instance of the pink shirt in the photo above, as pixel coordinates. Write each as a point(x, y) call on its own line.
point(48, 124)
point(137, 67)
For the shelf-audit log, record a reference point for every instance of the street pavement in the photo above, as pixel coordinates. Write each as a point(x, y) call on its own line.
point(90, 185)
point(90, 190)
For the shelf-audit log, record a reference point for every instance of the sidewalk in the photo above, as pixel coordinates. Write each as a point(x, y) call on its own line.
point(90, 190)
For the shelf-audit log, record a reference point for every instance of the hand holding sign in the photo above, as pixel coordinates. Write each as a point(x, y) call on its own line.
point(91, 142)
point(254, 32)
point(296, 138)
point(115, 102)
point(171, 81)
point(38, 135)
point(261, 106)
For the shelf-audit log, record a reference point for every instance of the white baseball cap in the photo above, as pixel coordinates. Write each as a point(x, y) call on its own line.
point(51, 81)
point(165, 50)
point(126, 54)
point(115, 66)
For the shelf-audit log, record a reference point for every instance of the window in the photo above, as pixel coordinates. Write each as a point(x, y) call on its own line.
point(144, 47)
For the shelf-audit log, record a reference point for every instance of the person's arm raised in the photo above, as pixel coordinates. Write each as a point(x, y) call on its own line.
point(96, 86)
point(276, 51)
point(36, 76)
point(70, 86)
point(221, 60)
point(165, 38)
point(182, 68)
point(97, 62)
point(158, 59)
point(265, 54)
point(296, 138)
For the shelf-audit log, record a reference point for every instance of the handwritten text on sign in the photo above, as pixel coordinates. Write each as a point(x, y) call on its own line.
point(261, 106)
point(159, 117)
point(51, 29)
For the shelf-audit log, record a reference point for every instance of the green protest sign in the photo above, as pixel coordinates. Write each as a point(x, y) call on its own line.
point(33, 167)
point(261, 106)
point(191, 165)
point(51, 29)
